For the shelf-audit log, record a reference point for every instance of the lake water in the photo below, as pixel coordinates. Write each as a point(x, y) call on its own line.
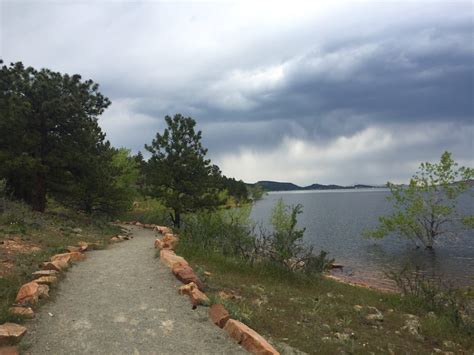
point(336, 219)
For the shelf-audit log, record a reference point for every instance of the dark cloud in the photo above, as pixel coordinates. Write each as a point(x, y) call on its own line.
point(269, 77)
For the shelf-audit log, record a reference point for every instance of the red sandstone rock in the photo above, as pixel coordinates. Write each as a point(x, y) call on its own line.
point(72, 248)
point(197, 297)
point(219, 315)
point(28, 293)
point(46, 280)
point(43, 273)
point(9, 350)
point(11, 333)
point(185, 274)
point(43, 291)
point(77, 256)
point(26, 312)
point(56, 265)
point(64, 257)
point(83, 245)
point(169, 258)
point(248, 338)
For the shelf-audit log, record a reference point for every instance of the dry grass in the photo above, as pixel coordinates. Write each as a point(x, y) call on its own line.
point(323, 316)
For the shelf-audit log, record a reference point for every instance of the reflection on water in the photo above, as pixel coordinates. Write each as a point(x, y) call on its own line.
point(335, 221)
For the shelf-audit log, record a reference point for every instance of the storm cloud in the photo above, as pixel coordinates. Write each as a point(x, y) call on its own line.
point(329, 92)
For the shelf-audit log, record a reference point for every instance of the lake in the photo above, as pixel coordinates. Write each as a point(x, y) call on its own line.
point(335, 220)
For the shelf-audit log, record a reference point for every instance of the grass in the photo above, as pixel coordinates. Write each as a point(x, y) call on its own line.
point(319, 315)
point(49, 233)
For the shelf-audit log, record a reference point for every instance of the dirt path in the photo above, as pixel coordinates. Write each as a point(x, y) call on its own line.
point(123, 301)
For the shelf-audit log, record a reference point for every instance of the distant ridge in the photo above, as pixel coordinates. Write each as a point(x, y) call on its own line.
point(288, 186)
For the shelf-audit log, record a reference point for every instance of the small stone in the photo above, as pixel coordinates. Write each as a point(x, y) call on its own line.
point(449, 344)
point(207, 274)
point(376, 315)
point(26, 312)
point(413, 326)
point(358, 308)
point(431, 315)
point(342, 336)
point(11, 333)
point(50, 314)
point(77, 230)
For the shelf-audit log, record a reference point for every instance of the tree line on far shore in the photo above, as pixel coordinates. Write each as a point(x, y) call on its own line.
point(51, 146)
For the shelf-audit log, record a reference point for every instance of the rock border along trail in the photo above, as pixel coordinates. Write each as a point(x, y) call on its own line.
point(122, 300)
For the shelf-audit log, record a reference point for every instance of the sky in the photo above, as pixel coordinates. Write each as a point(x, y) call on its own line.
point(340, 92)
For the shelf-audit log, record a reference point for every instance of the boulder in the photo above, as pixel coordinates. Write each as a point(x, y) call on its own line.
point(43, 291)
point(169, 258)
point(28, 293)
point(64, 257)
point(219, 315)
point(11, 333)
point(9, 350)
point(46, 280)
point(26, 312)
point(197, 297)
point(138, 224)
point(57, 265)
point(186, 275)
point(248, 338)
point(42, 273)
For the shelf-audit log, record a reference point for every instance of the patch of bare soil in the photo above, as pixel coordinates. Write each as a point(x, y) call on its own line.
point(11, 246)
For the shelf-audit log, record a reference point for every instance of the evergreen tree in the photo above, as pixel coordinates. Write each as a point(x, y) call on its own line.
point(49, 135)
point(178, 170)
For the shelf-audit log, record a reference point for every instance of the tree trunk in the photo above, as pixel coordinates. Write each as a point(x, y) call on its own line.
point(176, 219)
point(39, 195)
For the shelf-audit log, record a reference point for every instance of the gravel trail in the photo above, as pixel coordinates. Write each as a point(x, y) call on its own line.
point(123, 301)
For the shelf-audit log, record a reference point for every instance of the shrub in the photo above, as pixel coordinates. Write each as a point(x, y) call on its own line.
point(232, 233)
point(433, 294)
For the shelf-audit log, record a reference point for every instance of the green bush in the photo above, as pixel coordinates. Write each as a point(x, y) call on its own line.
point(232, 233)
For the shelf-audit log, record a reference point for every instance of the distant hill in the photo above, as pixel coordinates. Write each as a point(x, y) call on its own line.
point(288, 186)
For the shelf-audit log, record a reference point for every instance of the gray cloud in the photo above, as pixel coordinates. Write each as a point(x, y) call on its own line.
point(270, 77)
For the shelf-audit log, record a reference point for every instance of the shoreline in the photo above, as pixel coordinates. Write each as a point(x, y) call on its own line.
point(362, 283)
